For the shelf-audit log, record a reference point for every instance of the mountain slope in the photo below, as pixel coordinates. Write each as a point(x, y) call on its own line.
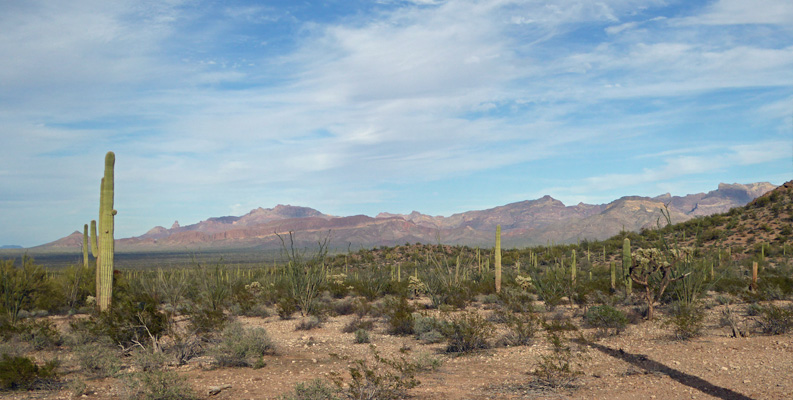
point(523, 223)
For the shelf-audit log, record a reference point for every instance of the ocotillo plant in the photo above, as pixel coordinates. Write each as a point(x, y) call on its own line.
point(498, 258)
point(105, 240)
point(626, 265)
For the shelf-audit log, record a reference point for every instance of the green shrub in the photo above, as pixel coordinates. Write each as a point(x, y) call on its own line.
point(344, 306)
point(467, 332)
point(551, 286)
point(399, 314)
point(157, 385)
point(308, 323)
point(286, 307)
point(40, 334)
point(606, 318)
point(687, 320)
point(316, 389)
point(521, 330)
point(385, 379)
point(21, 373)
point(239, 345)
point(20, 287)
point(358, 323)
point(776, 320)
point(558, 369)
point(362, 336)
point(99, 360)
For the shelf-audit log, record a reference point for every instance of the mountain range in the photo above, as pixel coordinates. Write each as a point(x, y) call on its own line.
point(524, 223)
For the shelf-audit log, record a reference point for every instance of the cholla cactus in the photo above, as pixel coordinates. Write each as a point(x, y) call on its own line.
point(654, 270)
point(254, 288)
point(524, 282)
point(416, 286)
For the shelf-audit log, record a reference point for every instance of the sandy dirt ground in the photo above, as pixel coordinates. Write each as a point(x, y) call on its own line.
point(643, 362)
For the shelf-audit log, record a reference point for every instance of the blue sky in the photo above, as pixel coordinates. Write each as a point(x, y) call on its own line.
point(356, 107)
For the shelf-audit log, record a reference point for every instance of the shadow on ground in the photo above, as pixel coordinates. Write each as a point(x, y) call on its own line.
point(642, 361)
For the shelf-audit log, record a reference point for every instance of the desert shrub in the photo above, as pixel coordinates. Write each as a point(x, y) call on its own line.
point(372, 285)
point(316, 389)
point(146, 360)
point(467, 332)
point(358, 323)
point(131, 321)
point(99, 360)
point(521, 329)
point(443, 289)
point(399, 314)
point(551, 286)
point(559, 368)
point(606, 318)
point(427, 329)
point(308, 323)
point(239, 345)
point(157, 384)
point(344, 306)
point(517, 300)
point(286, 307)
point(75, 284)
point(40, 334)
point(384, 379)
point(686, 320)
point(776, 320)
point(425, 361)
point(362, 336)
point(22, 373)
point(20, 287)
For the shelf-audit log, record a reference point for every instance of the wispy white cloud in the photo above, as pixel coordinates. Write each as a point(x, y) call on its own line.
point(209, 103)
point(738, 12)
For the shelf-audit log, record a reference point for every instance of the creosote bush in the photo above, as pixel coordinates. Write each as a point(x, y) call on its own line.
point(238, 346)
point(775, 320)
point(157, 384)
point(316, 389)
point(686, 320)
point(22, 373)
point(383, 379)
point(607, 319)
point(467, 332)
point(399, 314)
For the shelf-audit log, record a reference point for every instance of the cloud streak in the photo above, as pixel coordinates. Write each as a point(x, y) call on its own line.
point(217, 108)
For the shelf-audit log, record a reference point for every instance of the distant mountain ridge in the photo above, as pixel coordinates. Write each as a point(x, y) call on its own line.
point(523, 223)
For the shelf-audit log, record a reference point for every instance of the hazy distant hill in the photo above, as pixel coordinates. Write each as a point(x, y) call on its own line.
point(523, 223)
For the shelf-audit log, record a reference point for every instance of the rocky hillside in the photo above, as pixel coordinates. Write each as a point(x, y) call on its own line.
point(523, 223)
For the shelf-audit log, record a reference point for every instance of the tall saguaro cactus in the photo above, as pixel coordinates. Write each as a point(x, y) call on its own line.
point(626, 265)
point(104, 242)
point(85, 245)
point(498, 258)
point(573, 268)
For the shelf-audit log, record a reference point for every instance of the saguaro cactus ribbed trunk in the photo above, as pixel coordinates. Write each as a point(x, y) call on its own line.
point(498, 258)
point(85, 245)
point(626, 265)
point(573, 269)
point(105, 242)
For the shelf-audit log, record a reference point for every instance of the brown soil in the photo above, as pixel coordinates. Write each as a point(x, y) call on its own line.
point(643, 362)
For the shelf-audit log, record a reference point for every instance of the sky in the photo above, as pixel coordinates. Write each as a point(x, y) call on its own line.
point(351, 107)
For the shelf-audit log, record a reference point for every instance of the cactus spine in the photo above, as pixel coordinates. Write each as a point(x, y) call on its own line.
point(105, 240)
point(626, 265)
point(498, 258)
